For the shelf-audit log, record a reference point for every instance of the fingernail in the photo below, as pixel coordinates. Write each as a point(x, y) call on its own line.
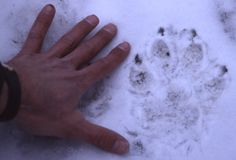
point(121, 147)
point(110, 28)
point(48, 9)
point(124, 46)
point(93, 20)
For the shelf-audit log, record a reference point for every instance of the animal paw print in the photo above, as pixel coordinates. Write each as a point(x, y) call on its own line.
point(181, 84)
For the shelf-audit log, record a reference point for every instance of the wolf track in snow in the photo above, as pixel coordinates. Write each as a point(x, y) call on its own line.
point(174, 86)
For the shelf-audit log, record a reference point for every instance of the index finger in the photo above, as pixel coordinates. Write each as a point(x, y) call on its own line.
point(39, 29)
point(102, 67)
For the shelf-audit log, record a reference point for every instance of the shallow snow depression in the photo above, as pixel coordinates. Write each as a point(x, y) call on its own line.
point(172, 98)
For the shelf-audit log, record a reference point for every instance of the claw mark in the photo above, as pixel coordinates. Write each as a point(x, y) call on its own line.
point(161, 30)
point(137, 59)
point(224, 70)
point(194, 33)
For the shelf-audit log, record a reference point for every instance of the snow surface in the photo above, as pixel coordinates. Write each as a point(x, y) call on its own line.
point(173, 97)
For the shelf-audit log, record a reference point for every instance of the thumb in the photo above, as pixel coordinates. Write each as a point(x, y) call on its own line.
point(106, 139)
point(78, 128)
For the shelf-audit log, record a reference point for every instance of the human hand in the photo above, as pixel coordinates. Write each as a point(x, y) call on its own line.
point(53, 82)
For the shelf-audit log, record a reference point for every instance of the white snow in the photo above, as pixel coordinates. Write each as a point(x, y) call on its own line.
point(173, 98)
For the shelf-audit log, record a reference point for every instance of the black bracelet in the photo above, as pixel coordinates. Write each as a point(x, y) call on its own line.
point(1, 78)
point(14, 94)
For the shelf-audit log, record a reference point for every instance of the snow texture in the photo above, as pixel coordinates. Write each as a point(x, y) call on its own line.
point(173, 97)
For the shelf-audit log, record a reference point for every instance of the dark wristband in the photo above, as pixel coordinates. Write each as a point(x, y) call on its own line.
point(1, 78)
point(14, 95)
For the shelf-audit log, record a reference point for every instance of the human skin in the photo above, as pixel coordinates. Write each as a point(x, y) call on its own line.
point(53, 82)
